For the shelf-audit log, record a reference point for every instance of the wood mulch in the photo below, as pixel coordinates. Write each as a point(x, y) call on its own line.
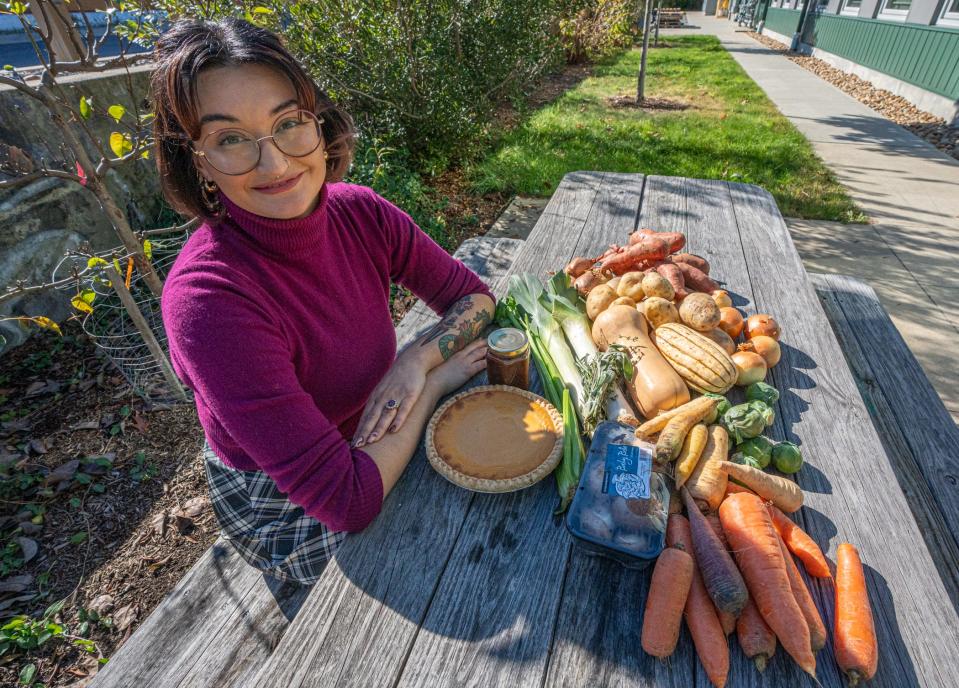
point(629, 101)
point(103, 501)
point(896, 108)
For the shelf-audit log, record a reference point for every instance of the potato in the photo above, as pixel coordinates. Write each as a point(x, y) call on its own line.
point(700, 312)
point(624, 301)
point(655, 284)
point(599, 299)
point(631, 285)
point(721, 338)
point(658, 311)
point(614, 283)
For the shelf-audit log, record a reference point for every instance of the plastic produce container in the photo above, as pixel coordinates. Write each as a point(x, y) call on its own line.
point(621, 506)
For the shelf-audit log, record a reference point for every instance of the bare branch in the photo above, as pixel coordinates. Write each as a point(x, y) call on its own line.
point(170, 230)
point(21, 86)
point(21, 290)
point(103, 38)
point(39, 174)
point(112, 63)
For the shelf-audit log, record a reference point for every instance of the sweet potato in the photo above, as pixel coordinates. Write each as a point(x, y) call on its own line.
point(676, 239)
point(577, 266)
point(696, 278)
point(697, 262)
point(648, 248)
point(675, 277)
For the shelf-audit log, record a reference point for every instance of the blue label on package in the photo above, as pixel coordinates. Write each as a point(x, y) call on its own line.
point(627, 471)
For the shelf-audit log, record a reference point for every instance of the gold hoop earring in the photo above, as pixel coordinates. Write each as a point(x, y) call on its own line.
point(208, 191)
point(210, 186)
point(326, 156)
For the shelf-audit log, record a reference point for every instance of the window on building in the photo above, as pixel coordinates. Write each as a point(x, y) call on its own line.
point(950, 13)
point(895, 9)
point(851, 7)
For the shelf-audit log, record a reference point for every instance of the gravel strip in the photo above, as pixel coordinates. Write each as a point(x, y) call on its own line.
point(896, 108)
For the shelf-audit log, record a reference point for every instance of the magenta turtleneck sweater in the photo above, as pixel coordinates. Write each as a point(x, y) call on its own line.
point(282, 329)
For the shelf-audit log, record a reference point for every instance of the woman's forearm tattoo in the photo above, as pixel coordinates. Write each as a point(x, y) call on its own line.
point(453, 331)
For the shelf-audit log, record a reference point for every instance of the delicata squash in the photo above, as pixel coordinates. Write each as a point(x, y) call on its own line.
point(701, 362)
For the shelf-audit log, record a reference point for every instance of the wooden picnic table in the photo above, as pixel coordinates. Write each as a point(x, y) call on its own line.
point(453, 588)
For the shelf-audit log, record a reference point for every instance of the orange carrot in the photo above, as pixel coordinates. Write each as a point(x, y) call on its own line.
point(800, 544)
point(700, 614)
point(727, 620)
point(666, 600)
point(676, 239)
point(855, 633)
point(754, 540)
point(756, 638)
point(817, 630)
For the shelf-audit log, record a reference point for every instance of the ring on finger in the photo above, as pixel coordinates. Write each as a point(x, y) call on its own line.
point(391, 405)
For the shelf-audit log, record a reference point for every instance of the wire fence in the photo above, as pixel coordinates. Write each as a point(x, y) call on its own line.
point(113, 331)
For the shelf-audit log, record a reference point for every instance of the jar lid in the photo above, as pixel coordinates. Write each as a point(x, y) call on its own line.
point(508, 341)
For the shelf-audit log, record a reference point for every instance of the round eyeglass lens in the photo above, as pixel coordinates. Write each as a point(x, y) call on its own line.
point(235, 151)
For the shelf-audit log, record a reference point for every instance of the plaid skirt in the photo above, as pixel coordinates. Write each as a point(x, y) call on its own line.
point(266, 529)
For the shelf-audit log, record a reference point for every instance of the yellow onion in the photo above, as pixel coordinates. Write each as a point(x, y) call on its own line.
point(750, 368)
point(762, 324)
point(730, 321)
point(767, 347)
point(721, 297)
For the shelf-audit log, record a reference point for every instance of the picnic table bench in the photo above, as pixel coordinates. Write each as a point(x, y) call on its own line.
point(453, 588)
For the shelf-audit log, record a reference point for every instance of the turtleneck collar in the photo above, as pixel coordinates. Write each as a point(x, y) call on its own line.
point(279, 237)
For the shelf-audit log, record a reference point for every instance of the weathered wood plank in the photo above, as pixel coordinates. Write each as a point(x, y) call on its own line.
point(913, 424)
point(480, 634)
point(211, 600)
point(597, 632)
point(851, 490)
point(713, 232)
point(371, 601)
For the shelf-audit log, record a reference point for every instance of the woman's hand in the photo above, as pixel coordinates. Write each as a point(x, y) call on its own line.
point(461, 366)
point(391, 401)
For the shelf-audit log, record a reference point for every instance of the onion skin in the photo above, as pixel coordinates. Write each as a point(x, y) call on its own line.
point(762, 324)
point(577, 266)
point(721, 297)
point(767, 347)
point(731, 321)
point(750, 367)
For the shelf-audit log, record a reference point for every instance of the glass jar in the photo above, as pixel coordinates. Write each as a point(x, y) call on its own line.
point(507, 358)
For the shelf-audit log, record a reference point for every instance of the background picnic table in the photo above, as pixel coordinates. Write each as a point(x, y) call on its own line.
point(453, 588)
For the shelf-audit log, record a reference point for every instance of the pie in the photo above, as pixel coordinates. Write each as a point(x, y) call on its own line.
point(495, 439)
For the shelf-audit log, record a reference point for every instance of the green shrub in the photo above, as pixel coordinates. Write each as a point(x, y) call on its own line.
point(597, 28)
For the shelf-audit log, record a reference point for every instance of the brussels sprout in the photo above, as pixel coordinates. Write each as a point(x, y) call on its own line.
point(764, 410)
point(745, 460)
point(742, 422)
point(721, 408)
point(760, 391)
point(758, 448)
point(787, 458)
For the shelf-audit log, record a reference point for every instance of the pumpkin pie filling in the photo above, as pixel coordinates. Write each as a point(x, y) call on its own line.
point(494, 435)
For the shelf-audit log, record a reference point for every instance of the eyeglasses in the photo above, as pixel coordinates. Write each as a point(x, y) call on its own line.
point(235, 151)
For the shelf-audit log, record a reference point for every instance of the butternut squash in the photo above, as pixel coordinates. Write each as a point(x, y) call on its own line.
point(655, 386)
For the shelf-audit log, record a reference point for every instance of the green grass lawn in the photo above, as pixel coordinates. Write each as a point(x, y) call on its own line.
point(731, 131)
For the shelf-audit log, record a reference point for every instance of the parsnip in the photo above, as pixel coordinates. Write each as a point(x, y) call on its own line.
point(708, 481)
point(692, 451)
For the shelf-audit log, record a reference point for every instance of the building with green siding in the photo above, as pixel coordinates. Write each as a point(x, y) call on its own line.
point(909, 47)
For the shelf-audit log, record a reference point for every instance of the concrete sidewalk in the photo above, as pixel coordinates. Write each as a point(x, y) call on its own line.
point(909, 253)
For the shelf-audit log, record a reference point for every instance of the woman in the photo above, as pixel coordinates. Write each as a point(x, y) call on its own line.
point(277, 309)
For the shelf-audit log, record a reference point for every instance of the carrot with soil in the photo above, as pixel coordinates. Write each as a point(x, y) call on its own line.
point(755, 636)
point(700, 614)
point(855, 632)
point(753, 538)
point(668, 590)
point(722, 579)
point(800, 544)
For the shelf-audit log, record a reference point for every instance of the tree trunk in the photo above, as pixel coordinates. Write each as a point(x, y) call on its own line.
point(641, 88)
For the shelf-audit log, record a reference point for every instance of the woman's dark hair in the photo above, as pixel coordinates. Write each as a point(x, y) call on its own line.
point(192, 46)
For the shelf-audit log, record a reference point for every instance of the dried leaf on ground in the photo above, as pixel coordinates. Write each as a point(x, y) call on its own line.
point(125, 616)
point(29, 547)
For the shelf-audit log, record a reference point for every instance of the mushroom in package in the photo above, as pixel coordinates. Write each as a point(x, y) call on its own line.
point(620, 508)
